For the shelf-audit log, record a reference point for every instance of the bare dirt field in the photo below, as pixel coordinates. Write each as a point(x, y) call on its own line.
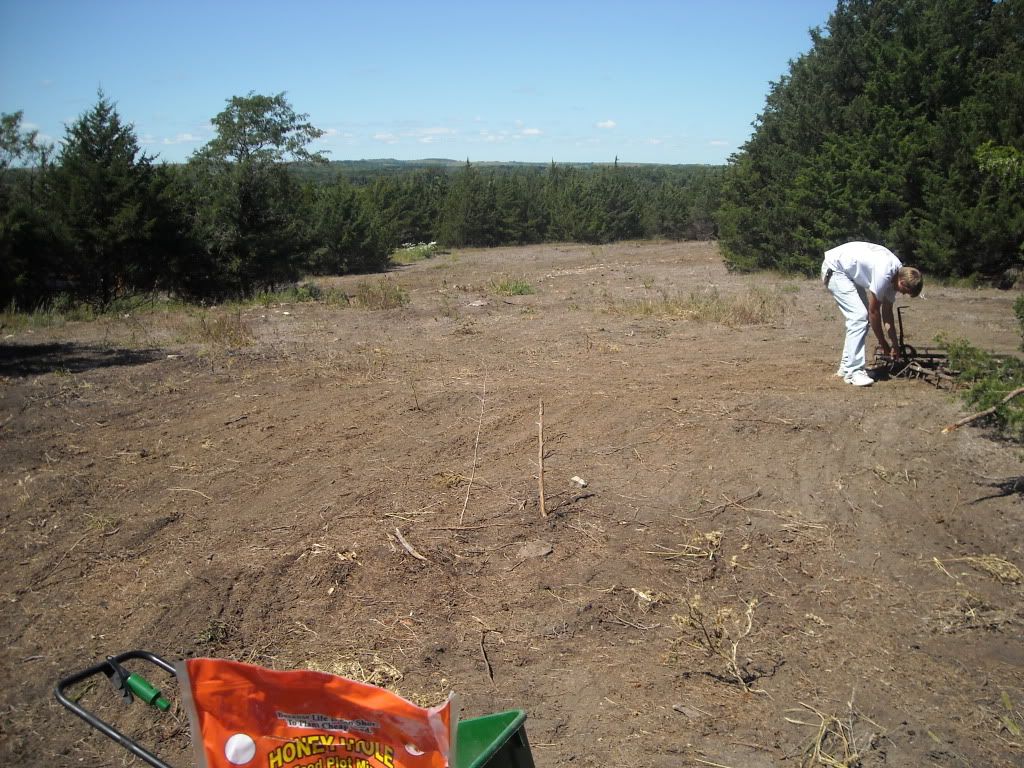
point(763, 562)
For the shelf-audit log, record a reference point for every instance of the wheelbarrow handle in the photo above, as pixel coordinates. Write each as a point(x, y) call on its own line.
point(110, 668)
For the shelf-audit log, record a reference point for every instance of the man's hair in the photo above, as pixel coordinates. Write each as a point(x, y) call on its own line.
point(911, 278)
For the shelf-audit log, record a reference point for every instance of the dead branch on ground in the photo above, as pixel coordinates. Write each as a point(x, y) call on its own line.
point(408, 547)
point(982, 414)
point(731, 503)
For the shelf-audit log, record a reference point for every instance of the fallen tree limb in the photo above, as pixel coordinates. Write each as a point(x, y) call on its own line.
point(987, 412)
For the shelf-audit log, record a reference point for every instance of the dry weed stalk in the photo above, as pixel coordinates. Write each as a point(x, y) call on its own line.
point(476, 453)
point(719, 634)
point(705, 547)
point(540, 460)
point(833, 743)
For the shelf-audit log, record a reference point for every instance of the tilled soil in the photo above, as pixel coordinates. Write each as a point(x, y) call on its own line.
point(763, 561)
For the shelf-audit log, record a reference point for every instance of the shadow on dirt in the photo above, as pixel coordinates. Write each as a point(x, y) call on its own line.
point(1007, 487)
point(34, 359)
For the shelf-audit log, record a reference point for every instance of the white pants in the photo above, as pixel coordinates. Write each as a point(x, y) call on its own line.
point(853, 303)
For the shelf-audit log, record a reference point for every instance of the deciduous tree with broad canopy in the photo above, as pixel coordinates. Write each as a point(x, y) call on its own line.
point(250, 215)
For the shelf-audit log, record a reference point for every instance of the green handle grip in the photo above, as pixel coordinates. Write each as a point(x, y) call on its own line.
point(145, 690)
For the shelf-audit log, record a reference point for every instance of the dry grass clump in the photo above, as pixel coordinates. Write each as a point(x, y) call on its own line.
point(373, 670)
point(380, 294)
point(970, 611)
point(758, 306)
point(221, 330)
point(1001, 569)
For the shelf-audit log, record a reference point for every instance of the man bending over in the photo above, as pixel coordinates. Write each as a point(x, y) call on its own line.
point(864, 279)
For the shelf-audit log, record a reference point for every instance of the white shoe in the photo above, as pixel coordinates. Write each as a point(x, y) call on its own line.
point(840, 374)
point(858, 379)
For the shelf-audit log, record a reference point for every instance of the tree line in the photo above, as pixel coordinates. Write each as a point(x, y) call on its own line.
point(903, 125)
point(253, 209)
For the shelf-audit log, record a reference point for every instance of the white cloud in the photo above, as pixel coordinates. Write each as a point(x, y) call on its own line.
point(181, 138)
point(439, 131)
point(532, 132)
point(719, 143)
point(655, 142)
point(605, 124)
point(387, 138)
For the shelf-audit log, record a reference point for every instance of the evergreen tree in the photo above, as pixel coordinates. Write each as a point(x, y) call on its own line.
point(469, 213)
point(102, 197)
point(408, 205)
point(28, 242)
point(347, 233)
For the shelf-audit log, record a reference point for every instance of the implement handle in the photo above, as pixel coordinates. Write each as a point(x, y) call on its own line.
point(146, 691)
point(140, 687)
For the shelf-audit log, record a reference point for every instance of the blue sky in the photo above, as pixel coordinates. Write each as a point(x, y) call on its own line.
point(646, 81)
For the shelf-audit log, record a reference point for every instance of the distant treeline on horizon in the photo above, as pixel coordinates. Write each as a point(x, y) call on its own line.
point(254, 209)
point(358, 170)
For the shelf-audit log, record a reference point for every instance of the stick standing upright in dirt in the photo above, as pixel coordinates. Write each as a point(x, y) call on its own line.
point(864, 279)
